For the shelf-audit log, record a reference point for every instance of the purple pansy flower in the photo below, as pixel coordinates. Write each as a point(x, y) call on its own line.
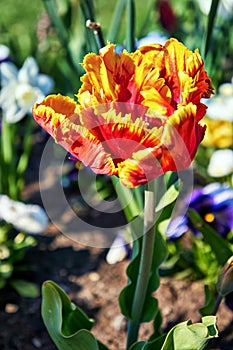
point(214, 203)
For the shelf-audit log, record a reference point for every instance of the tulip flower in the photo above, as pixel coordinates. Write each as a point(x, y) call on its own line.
point(137, 114)
point(225, 278)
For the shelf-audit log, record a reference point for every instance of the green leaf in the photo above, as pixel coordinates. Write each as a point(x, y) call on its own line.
point(210, 299)
point(138, 346)
point(24, 156)
point(128, 198)
point(6, 269)
point(156, 344)
point(25, 288)
point(63, 34)
point(67, 325)
point(127, 293)
point(160, 252)
point(220, 246)
point(2, 282)
point(150, 308)
point(116, 21)
point(185, 336)
point(150, 345)
point(169, 197)
point(157, 324)
point(210, 26)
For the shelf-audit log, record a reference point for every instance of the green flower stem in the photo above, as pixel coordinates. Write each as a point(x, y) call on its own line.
point(24, 157)
point(210, 26)
point(8, 173)
point(130, 37)
point(95, 26)
point(144, 268)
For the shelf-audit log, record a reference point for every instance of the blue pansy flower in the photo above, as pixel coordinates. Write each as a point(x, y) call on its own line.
point(214, 203)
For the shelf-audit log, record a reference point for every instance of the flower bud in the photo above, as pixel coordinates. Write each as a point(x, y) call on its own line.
point(225, 278)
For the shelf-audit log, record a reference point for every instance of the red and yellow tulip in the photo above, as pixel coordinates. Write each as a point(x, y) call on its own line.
point(137, 114)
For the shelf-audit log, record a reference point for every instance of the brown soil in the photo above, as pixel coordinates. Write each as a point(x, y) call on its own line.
point(94, 286)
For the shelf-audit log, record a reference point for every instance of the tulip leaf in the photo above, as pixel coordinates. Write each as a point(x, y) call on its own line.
point(188, 336)
point(210, 299)
point(150, 308)
point(68, 326)
point(138, 346)
point(169, 197)
point(128, 198)
point(183, 336)
point(220, 247)
point(116, 21)
point(25, 288)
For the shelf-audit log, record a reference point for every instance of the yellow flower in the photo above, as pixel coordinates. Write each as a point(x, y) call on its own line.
point(219, 133)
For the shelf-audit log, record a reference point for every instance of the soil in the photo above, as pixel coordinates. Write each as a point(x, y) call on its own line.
point(93, 285)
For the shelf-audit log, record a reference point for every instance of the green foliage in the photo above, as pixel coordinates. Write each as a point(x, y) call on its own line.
point(16, 143)
point(184, 336)
point(221, 248)
point(67, 325)
point(150, 308)
point(18, 27)
point(25, 288)
point(169, 197)
point(70, 328)
point(211, 19)
point(131, 200)
point(188, 336)
point(210, 300)
point(13, 247)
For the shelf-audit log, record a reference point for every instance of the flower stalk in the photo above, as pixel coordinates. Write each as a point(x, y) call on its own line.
point(145, 265)
point(96, 27)
point(8, 167)
point(130, 37)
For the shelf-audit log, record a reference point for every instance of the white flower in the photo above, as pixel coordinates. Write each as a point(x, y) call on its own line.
point(221, 163)
point(119, 250)
point(4, 53)
point(224, 10)
point(220, 106)
point(152, 38)
point(22, 88)
point(29, 218)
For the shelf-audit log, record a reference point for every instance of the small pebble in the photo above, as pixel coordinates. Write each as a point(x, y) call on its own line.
point(119, 323)
point(37, 343)
point(11, 308)
point(94, 276)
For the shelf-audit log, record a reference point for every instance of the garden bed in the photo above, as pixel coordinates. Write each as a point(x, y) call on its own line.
point(94, 286)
